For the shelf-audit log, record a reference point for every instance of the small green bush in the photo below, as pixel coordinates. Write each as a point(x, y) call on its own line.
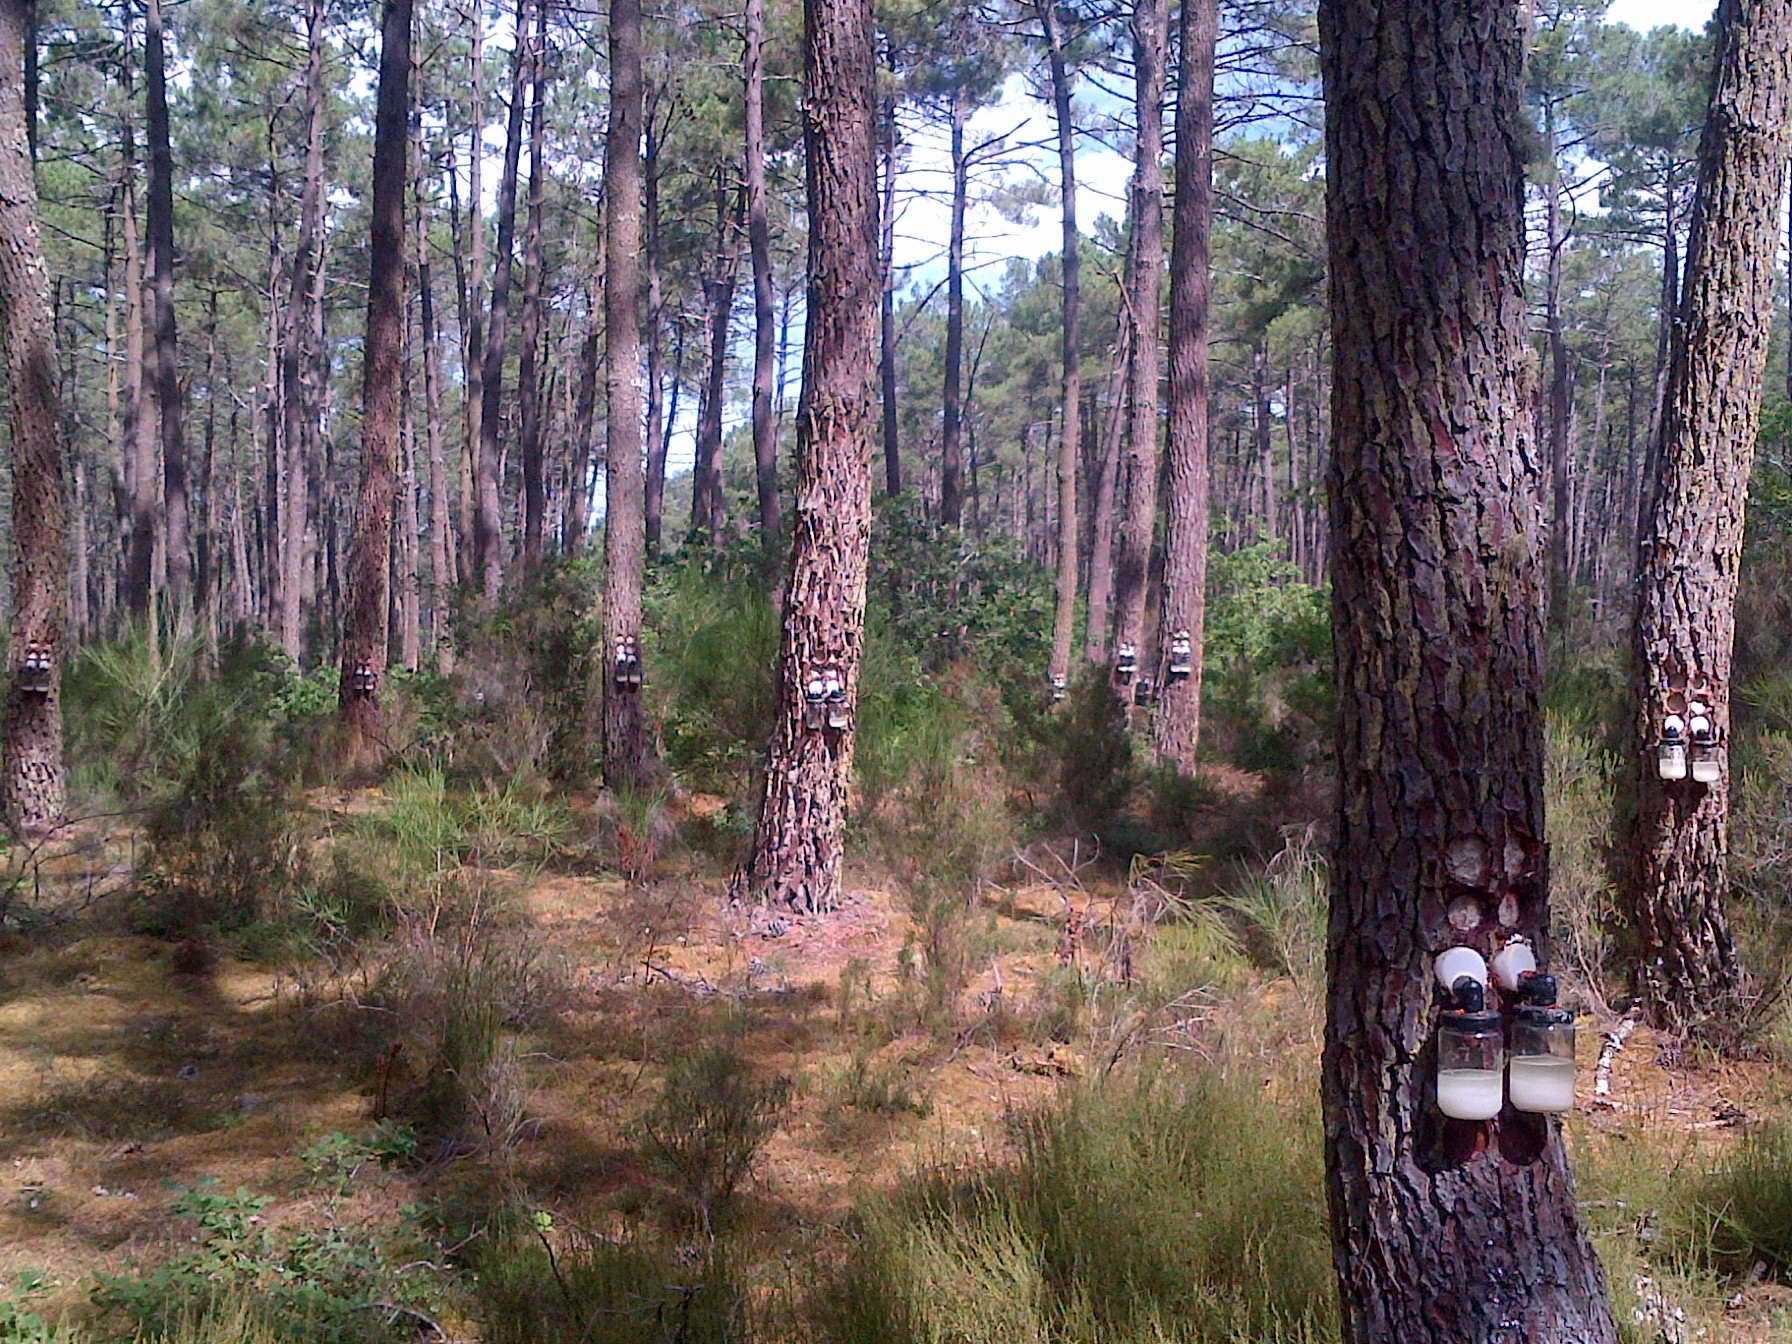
point(705, 1130)
point(329, 1286)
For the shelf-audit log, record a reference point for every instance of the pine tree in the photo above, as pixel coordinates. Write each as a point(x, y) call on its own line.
point(795, 858)
point(1442, 1230)
point(1692, 540)
point(364, 631)
point(34, 780)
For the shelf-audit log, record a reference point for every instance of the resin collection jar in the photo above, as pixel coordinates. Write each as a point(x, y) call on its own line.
point(1471, 1051)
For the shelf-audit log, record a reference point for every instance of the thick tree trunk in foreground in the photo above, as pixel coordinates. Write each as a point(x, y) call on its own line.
point(626, 758)
point(1070, 397)
point(795, 858)
point(1151, 39)
point(1692, 540)
point(364, 630)
point(166, 375)
point(34, 780)
point(1443, 1231)
point(765, 333)
point(1178, 724)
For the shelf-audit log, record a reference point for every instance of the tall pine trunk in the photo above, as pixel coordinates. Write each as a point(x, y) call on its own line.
point(34, 784)
point(1105, 492)
point(136, 419)
point(364, 630)
point(1151, 36)
point(488, 528)
point(1070, 396)
point(952, 391)
point(472, 308)
point(795, 858)
point(529, 391)
point(295, 408)
point(886, 357)
point(1178, 726)
point(707, 501)
point(1443, 1231)
point(1692, 540)
point(626, 751)
point(765, 332)
point(166, 378)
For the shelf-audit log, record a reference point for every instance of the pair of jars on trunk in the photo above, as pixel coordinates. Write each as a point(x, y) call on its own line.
point(1475, 1074)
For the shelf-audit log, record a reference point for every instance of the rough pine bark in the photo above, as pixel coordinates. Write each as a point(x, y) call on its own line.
point(1151, 38)
point(1442, 1231)
point(1070, 386)
point(765, 332)
point(34, 781)
point(166, 377)
point(1691, 546)
point(795, 857)
point(1178, 724)
point(626, 753)
point(364, 630)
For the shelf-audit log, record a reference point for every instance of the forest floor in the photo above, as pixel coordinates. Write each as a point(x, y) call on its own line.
point(124, 1076)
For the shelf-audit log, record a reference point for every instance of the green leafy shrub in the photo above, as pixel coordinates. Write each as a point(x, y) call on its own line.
point(329, 1286)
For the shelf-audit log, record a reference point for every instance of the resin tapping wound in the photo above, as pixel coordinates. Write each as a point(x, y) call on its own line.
point(1466, 860)
point(1465, 913)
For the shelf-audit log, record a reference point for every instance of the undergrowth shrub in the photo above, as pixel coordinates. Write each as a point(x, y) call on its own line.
point(224, 848)
point(597, 1291)
point(1736, 1213)
point(242, 1280)
point(704, 1131)
point(459, 976)
point(1580, 812)
point(1162, 1210)
point(711, 684)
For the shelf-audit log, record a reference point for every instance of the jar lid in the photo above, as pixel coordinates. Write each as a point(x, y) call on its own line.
point(1459, 1020)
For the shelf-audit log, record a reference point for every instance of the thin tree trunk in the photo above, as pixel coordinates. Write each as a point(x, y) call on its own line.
point(1070, 408)
point(765, 333)
point(707, 502)
point(886, 362)
point(1443, 1231)
point(627, 759)
point(1178, 724)
point(160, 217)
point(1560, 406)
point(442, 555)
point(472, 315)
point(1151, 35)
point(659, 423)
point(1101, 547)
point(951, 406)
point(578, 505)
point(796, 852)
point(307, 268)
point(34, 784)
point(488, 530)
point(1685, 632)
point(137, 442)
point(529, 391)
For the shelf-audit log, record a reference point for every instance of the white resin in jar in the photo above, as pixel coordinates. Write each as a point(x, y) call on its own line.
point(1541, 1083)
point(1469, 1094)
